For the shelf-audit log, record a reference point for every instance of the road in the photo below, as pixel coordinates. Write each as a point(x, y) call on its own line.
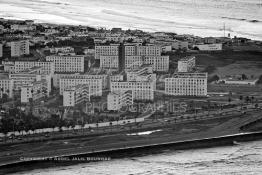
point(115, 138)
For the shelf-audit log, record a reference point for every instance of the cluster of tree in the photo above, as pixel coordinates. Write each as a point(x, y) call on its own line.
point(87, 42)
point(247, 99)
point(213, 78)
point(260, 80)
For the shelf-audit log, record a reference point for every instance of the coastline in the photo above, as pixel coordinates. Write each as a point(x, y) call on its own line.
point(115, 146)
point(157, 148)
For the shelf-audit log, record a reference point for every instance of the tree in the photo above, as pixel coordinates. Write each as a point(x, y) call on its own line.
point(260, 80)
point(213, 78)
point(229, 100)
point(244, 77)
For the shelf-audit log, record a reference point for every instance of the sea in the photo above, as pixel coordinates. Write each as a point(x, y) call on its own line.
point(242, 18)
point(241, 159)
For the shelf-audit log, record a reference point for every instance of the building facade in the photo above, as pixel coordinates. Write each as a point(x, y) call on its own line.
point(116, 101)
point(67, 63)
point(209, 47)
point(94, 84)
point(109, 62)
point(34, 91)
point(76, 95)
point(19, 48)
point(19, 66)
point(186, 64)
point(6, 87)
point(141, 90)
point(186, 84)
point(106, 50)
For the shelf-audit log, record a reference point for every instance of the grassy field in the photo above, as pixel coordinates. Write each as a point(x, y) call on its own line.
point(227, 62)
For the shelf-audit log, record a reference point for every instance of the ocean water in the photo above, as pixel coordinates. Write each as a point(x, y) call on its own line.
point(198, 17)
point(242, 159)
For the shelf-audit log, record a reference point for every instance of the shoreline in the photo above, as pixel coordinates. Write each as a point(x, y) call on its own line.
point(96, 27)
point(207, 133)
point(132, 151)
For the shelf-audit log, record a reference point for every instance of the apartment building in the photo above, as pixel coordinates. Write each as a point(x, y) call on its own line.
point(134, 74)
point(103, 77)
point(19, 66)
point(159, 63)
point(29, 76)
point(19, 48)
point(76, 95)
point(94, 84)
point(6, 87)
point(142, 90)
point(34, 91)
point(106, 50)
point(109, 62)
point(67, 63)
point(186, 64)
point(186, 84)
point(116, 101)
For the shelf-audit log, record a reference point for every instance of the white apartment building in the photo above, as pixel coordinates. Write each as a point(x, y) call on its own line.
point(19, 48)
point(103, 77)
point(186, 64)
point(134, 74)
point(67, 63)
point(28, 77)
point(111, 50)
point(159, 63)
point(149, 50)
point(115, 101)
point(186, 84)
point(34, 91)
point(133, 61)
point(142, 90)
point(94, 84)
point(108, 62)
point(75, 95)
point(19, 66)
point(138, 50)
point(6, 87)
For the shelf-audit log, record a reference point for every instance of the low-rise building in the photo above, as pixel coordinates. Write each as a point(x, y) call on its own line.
point(208, 47)
point(233, 81)
point(56, 50)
